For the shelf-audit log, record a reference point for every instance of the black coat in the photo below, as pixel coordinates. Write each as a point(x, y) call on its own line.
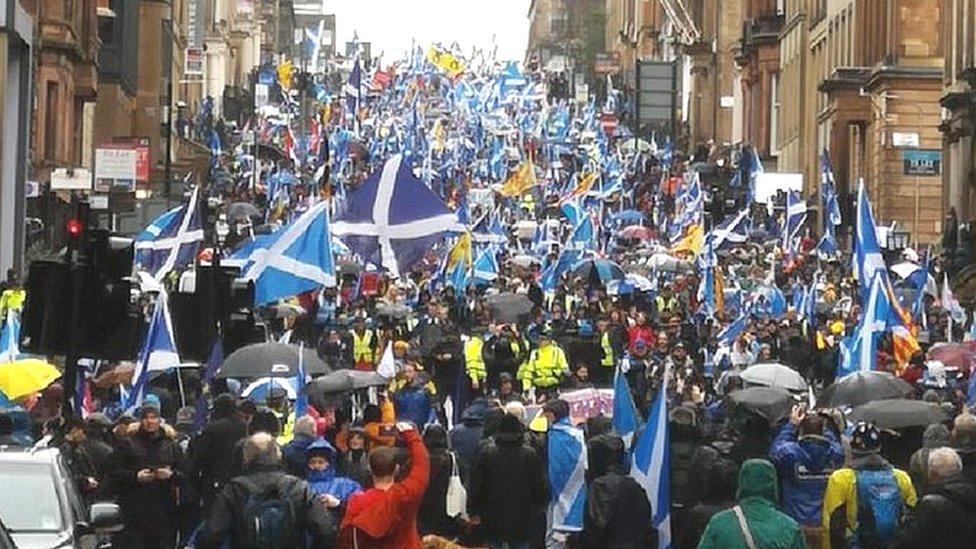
point(225, 516)
point(618, 513)
point(146, 506)
point(432, 516)
point(507, 489)
point(944, 517)
point(214, 452)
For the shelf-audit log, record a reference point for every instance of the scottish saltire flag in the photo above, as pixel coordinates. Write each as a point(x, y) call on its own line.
point(353, 89)
point(584, 234)
point(625, 420)
point(753, 168)
point(796, 216)
point(650, 464)
point(831, 207)
point(567, 477)
point(733, 331)
point(393, 219)
point(858, 352)
point(171, 241)
point(573, 212)
point(485, 267)
point(295, 259)
point(867, 259)
point(551, 273)
point(733, 230)
point(706, 288)
point(301, 400)
point(214, 362)
point(10, 337)
point(158, 351)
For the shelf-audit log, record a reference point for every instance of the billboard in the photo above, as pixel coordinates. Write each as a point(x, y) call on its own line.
point(115, 167)
point(607, 63)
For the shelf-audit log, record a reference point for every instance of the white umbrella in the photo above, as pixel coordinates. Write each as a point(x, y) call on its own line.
point(772, 374)
point(668, 263)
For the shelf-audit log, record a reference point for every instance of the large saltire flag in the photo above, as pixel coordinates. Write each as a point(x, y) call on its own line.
point(567, 476)
point(158, 351)
point(393, 219)
point(293, 260)
point(867, 259)
point(521, 181)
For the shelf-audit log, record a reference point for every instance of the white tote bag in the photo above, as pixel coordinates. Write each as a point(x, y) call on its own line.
point(457, 496)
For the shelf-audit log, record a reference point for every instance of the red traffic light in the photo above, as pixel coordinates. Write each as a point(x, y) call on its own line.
point(74, 227)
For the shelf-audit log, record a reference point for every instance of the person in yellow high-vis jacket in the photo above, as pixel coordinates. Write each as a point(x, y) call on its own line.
point(545, 366)
point(363, 346)
point(474, 362)
point(608, 359)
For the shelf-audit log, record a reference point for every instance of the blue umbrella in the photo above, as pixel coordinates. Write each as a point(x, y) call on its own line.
point(602, 270)
point(628, 216)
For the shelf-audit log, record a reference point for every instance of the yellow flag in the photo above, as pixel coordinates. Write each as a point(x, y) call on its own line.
point(461, 252)
point(585, 182)
point(285, 72)
point(692, 241)
point(522, 180)
point(445, 61)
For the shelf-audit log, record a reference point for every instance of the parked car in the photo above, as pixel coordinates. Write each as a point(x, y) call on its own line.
point(40, 507)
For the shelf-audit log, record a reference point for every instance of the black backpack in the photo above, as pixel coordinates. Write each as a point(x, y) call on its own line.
point(269, 518)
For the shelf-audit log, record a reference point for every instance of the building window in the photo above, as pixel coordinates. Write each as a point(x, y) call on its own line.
point(919, 29)
point(558, 24)
point(774, 115)
point(51, 121)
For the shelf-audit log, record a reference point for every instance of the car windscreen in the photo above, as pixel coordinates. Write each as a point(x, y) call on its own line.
point(28, 498)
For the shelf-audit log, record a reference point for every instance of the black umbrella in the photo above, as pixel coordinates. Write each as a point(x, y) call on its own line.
point(769, 402)
point(270, 360)
point(898, 413)
point(863, 387)
point(508, 307)
point(242, 210)
point(325, 388)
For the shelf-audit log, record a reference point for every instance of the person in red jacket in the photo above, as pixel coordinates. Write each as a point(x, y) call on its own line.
point(385, 517)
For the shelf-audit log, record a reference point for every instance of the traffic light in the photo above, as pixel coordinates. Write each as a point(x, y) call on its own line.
point(76, 226)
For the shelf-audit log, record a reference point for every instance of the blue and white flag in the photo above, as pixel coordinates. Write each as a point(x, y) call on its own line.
point(567, 477)
point(171, 241)
point(584, 234)
point(867, 259)
point(733, 230)
point(858, 352)
point(293, 260)
point(625, 420)
point(393, 219)
point(573, 212)
point(158, 352)
point(651, 467)
point(486, 267)
point(353, 89)
point(796, 216)
point(733, 331)
point(10, 337)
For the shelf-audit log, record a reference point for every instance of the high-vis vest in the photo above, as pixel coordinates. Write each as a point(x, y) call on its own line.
point(362, 347)
point(607, 359)
point(474, 362)
point(543, 368)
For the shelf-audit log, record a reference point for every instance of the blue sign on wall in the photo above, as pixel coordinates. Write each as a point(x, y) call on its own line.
point(917, 162)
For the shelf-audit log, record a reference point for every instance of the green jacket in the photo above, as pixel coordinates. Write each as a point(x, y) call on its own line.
point(770, 528)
